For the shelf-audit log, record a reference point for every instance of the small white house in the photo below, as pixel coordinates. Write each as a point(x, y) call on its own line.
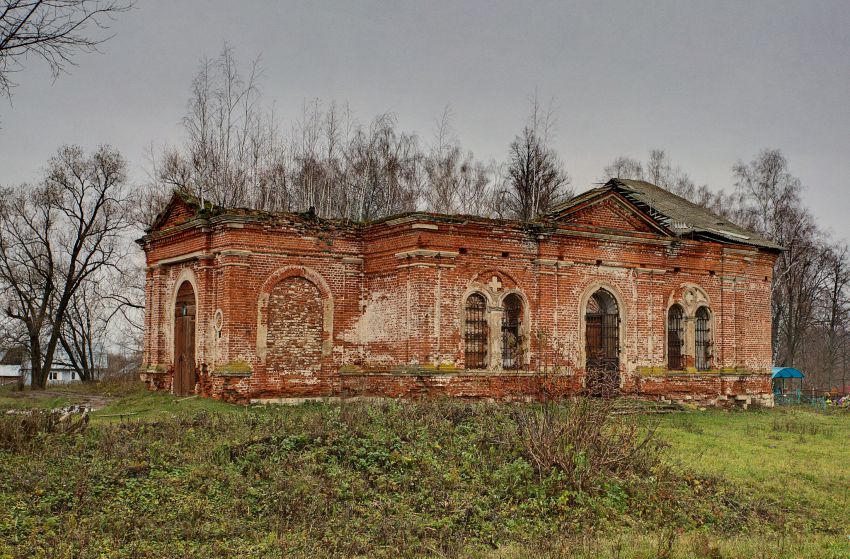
point(13, 363)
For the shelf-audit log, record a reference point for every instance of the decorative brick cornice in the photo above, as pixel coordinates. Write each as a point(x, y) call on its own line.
point(426, 253)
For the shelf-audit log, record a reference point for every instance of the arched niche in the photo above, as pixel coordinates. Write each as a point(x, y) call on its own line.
point(327, 303)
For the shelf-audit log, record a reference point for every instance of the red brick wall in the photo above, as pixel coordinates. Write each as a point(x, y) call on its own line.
point(294, 335)
point(386, 301)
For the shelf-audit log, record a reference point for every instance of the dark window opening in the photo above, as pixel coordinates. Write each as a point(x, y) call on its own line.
point(506, 254)
point(675, 338)
point(462, 250)
point(702, 346)
point(511, 332)
point(475, 336)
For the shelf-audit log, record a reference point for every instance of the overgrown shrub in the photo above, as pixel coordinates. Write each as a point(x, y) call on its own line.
point(585, 440)
point(19, 431)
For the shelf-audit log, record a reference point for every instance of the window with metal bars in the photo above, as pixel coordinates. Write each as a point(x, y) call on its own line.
point(675, 338)
point(511, 332)
point(475, 335)
point(702, 345)
point(602, 331)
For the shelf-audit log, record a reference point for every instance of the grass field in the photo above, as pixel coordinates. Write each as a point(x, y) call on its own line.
point(155, 476)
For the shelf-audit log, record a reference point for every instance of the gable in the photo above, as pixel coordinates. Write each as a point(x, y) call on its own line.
point(610, 211)
point(179, 210)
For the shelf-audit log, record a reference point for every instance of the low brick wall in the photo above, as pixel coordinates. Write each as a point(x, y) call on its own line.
point(506, 385)
point(713, 389)
point(707, 389)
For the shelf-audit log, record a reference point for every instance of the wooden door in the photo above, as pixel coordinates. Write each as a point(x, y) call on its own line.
point(184, 341)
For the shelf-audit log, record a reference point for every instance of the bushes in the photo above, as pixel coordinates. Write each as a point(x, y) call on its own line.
point(588, 443)
point(21, 430)
point(383, 479)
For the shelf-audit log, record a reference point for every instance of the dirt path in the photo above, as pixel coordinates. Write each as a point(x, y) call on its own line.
point(93, 401)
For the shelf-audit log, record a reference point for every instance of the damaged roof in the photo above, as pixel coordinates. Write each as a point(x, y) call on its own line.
point(680, 216)
point(671, 214)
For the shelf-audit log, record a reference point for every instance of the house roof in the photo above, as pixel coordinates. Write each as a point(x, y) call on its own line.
point(678, 215)
point(10, 371)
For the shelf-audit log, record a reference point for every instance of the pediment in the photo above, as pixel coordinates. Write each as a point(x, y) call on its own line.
point(610, 211)
point(178, 210)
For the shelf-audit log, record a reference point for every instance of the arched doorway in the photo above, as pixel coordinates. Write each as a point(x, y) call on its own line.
point(602, 343)
point(185, 308)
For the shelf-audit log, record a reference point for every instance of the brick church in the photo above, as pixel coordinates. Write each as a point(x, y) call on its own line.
point(626, 286)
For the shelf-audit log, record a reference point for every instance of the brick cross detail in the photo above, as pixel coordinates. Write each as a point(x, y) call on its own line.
point(495, 284)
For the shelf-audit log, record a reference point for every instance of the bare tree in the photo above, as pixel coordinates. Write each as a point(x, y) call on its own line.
point(84, 330)
point(56, 235)
point(772, 206)
point(834, 310)
point(456, 182)
point(535, 177)
point(53, 30)
point(384, 170)
point(625, 168)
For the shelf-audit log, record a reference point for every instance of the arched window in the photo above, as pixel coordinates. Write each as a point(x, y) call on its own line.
point(602, 331)
point(675, 338)
point(511, 332)
point(475, 336)
point(702, 344)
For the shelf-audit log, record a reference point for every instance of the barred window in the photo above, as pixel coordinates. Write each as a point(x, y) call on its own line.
point(511, 337)
point(475, 336)
point(675, 338)
point(702, 344)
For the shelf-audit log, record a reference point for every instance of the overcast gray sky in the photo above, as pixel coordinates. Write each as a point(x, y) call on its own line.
point(710, 82)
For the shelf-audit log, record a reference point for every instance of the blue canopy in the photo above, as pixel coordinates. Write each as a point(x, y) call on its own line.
point(786, 372)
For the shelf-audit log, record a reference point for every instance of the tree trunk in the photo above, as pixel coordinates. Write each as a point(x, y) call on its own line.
point(38, 374)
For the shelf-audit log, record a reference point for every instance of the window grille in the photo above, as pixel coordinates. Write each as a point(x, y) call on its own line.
point(511, 338)
point(602, 331)
point(475, 336)
point(703, 340)
point(675, 338)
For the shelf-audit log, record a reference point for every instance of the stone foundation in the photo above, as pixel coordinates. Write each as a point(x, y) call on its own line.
point(710, 389)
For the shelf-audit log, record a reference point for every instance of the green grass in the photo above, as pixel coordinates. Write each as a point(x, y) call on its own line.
point(142, 404)
point(797, 457)
point(199, 478)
